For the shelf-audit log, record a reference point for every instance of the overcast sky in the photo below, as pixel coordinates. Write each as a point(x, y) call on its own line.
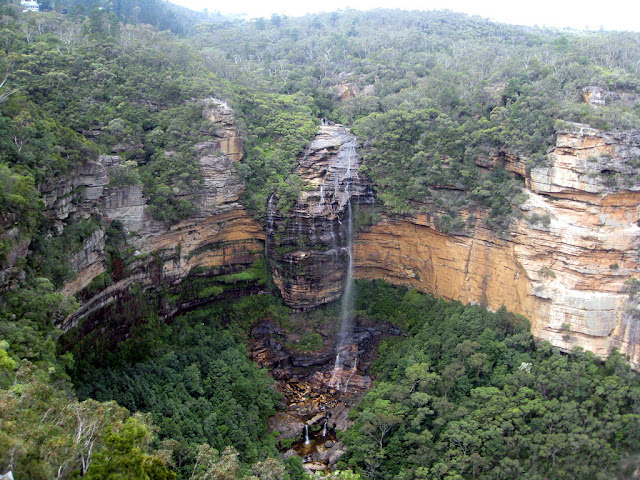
point(577, 14)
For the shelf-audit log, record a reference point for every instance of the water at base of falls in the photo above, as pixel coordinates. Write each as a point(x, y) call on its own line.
point(314, 446)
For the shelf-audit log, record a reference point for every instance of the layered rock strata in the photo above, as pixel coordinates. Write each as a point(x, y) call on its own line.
point(77, 196)
point(219, 237)
point(307, 246)
point(566, 265)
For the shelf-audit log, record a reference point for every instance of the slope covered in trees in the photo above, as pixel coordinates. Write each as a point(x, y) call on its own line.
point(429, 95)
point(469, 394)
point(194, 377)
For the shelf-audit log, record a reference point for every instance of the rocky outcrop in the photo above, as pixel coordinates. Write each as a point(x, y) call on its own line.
point(227, 136)
point(586, 161)
point(565, 265)
point(307, 246)
point(599, 97)
point(19, 246)
point(347, 90)
point(79, 194)
point(211, 246)
point(344, 91)
point(219, 194)
point(313, 409)
point(218, 238)
point(594, 96)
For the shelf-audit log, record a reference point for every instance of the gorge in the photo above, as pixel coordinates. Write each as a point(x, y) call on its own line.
point(380, 244)
point(557, 272)
point(567, 273)
point(565, 264)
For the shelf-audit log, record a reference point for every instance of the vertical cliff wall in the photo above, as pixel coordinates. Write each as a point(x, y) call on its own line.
point(567, 265)
point(307, 246)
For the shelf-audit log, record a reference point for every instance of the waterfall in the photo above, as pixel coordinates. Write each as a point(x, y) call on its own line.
point(335, 375)
point(270, 224)
point(306, 435)
point(324, 428)
point(270, 228)
point(347, 296)
point(270, 214)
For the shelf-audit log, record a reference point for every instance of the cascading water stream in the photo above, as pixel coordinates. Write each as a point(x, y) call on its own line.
point(334, 382)
point(319, 267)
point(270, 218)
point(347, 296)
point(270, 226)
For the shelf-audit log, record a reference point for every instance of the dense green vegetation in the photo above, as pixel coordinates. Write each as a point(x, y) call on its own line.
point(269, 165)
point(130, 89)
point(421, 160)
point(437, 93)
point(45, 432)
point(469, 394)
point(195, 379)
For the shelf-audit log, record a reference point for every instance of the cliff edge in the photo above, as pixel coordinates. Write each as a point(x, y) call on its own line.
point(567, 264)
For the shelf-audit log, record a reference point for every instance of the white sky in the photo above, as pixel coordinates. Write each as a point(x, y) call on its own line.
point(576, 14)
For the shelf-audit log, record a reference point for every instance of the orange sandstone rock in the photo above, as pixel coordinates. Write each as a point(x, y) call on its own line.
point(564, 267)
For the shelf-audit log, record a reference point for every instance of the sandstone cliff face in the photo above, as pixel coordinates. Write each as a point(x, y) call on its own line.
point(228, 139)
point(219, 236)
point(564, 266)
point(587, 161)
point(308, 246)
point(78, 195)
point(598, 96)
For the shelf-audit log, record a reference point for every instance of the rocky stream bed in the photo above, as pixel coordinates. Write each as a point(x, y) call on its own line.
point(318, 392)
